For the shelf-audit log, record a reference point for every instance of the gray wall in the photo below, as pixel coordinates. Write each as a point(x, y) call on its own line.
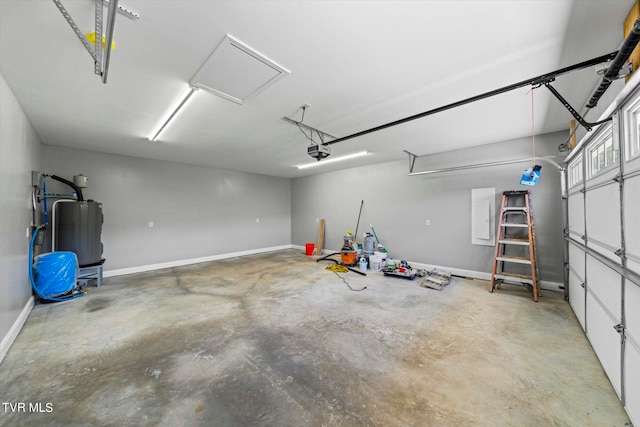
point(19, 147)
point(398, 205)
point(197, 211)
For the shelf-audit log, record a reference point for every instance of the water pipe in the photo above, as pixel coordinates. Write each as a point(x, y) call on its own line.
point(70, 184)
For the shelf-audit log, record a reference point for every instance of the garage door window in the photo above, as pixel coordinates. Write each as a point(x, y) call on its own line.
point(575, 172)
point(602, 153)
point(632, 119)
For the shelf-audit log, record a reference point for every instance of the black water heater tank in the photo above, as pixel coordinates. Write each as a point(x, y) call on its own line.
point(79, 230)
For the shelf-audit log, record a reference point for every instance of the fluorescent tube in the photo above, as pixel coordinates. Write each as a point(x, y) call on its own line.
point(334, 159)
point(179, 104)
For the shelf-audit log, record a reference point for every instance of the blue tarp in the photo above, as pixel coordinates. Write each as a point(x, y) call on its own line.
point(56, 272)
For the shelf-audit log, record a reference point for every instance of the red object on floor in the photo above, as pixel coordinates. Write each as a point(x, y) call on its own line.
point(310, 247)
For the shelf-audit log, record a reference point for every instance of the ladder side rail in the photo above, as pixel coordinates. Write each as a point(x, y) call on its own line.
point(534, 278)
point(499, 237)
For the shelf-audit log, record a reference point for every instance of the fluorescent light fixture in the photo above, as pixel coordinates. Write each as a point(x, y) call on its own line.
point(334, 159)
point(170, 115)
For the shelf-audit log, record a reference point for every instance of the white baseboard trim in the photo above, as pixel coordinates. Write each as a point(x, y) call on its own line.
point(170, 264)
point(11, 336)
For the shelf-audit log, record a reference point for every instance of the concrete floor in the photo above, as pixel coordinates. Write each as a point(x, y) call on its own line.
point(278, 340)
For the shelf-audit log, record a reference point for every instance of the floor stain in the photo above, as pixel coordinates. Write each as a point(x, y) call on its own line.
point(276, 340)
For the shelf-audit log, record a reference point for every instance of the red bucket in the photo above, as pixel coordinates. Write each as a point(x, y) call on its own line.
point(310, 247)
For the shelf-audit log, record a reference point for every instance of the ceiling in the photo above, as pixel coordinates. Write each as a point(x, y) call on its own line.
point(358, 64)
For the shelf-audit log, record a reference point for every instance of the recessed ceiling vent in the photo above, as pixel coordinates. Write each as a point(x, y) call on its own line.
point(236, 72)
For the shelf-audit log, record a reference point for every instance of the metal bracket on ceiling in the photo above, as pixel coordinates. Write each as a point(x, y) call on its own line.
point(100, 58)
point(321, 134)
point(587, 125)
point(412, 160)
point(124, 10)
point(546, 159)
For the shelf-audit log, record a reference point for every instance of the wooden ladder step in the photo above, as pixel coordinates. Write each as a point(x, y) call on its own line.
point(520, 242)
point(516, 259)
point(515, 277)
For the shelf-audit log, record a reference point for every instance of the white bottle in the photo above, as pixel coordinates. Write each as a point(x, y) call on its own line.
point(363, 264)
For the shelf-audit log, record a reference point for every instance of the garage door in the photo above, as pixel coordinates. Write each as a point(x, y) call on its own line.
point(603, 234)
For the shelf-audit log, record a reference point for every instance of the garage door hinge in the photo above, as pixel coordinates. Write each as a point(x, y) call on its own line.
point(617, 178)
point(584, 237)
point(620, 252)
point(583, 285)
point(619, 328)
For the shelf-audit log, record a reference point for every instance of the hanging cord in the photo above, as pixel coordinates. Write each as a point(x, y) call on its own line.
point(533, 128)
point(310, 138)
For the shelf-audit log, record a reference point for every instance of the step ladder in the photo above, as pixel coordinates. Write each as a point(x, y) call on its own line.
point(516, 244)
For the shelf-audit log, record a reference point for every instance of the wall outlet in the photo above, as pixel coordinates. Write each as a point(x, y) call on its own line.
point(427, 222)
point(317, 219)
point(150, 224)
point(257, 219)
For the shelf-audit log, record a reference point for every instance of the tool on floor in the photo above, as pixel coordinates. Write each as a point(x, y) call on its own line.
point(402, 269)
point(516, 243)
point(435, 279)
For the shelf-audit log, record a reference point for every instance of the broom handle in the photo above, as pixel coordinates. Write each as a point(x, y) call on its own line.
point(355, 236)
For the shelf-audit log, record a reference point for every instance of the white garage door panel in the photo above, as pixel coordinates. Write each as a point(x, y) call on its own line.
point(632, 165)
point(605, 340)
point(576, 296)
point(576, 214)
point(576, 278)
point(632, 310)
point(606, 285)
point(603, 216)
point(632, 382)
point(576, 260)
point(631, 218)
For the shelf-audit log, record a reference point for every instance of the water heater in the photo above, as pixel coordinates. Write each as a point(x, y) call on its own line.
point(78, 228)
